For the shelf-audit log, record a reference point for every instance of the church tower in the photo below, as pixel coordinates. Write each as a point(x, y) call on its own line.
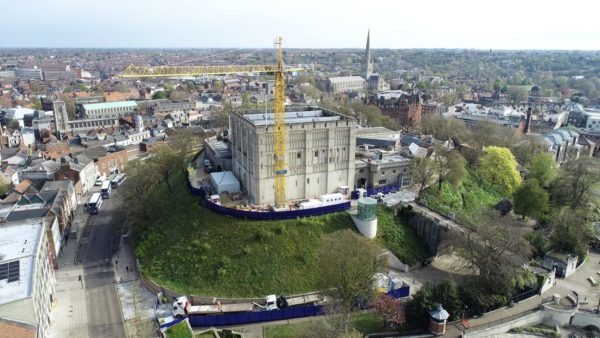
point(368, 64)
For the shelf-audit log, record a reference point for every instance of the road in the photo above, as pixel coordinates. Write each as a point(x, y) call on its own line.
point(98, 244)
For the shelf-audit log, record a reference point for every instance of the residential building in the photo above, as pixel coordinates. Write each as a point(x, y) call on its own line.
point(40, 169)
point(26, 276)
point(81, 172)
point(319, 152)
point(108, 161)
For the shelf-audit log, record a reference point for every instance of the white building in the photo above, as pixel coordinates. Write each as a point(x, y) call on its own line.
point(346, 84)
point(319, 153)
point(593, 121)
point(26, 276)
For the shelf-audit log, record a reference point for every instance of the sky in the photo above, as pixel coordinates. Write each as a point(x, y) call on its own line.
point(506, 24)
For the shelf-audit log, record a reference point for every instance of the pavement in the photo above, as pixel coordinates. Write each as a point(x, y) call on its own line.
point(589, 296)
point(137, 303)
point(69, 317)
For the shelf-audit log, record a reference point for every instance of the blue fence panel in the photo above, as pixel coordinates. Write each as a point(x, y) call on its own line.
point(228, 319)
point(384, 190)
point(400, 292)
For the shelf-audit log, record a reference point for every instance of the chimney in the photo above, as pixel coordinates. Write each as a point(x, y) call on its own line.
point(528, 122)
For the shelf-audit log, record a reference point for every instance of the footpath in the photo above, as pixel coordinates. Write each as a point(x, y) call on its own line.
point(137, 303)
point(69, 317)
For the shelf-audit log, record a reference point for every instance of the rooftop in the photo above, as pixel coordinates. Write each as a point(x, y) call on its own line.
point(18, 245)
point(293, 117)
point(220, 148)
point(342, 79)
point(109, 105)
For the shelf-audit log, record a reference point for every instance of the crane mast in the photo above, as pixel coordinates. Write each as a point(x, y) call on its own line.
point(279, 134)
point(280, 167)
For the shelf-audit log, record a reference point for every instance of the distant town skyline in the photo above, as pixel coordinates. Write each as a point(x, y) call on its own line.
point(510, 24)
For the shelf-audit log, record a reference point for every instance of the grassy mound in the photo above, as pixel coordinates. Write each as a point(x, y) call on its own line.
point(193, 250)
point(471, 196)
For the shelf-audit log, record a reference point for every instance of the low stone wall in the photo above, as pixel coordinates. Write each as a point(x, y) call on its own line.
point(503, 327)
point(585, 318)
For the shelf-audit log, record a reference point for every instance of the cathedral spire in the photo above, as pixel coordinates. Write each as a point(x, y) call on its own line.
point(368, 64)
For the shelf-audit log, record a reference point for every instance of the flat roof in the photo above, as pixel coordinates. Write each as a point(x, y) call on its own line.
point(220, 148)
point(293, 117)
point(108, 105)
point(19, 242)
point(342, 79)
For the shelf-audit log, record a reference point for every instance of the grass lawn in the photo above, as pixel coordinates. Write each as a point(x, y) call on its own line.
point(180, 330)
point(364, 322)
point(193, 250)
point(471, 196)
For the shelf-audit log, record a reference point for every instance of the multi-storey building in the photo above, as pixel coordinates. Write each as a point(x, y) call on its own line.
point(26, 276)
point(319, 153)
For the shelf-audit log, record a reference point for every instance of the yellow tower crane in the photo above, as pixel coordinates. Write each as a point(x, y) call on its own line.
point(278, 69)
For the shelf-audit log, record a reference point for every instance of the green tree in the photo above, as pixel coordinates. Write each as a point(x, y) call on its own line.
point(448, 294)
point(571, 232)
point(423, 173)
point(499, 168)
point(444, 129)
point(36, 88)
point(346, 265)
point(542, 168)
point(4, 188)
point(494, 250)
point(185, 142)
point(70, 105)
point(527, 147)
point(161, 94)
point(530, 199)
point(577, 179)
point(179, 95)
point(137, 191)
point(417, 309)
point(221, 116)
point(165, 160)
point(12, 124)
point(449, 166)
point(217, 85)
point(517, 94)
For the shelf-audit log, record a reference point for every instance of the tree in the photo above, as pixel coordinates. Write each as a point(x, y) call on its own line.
point(517, 94)
point(346, 265)
point(217, 85)
point(159, 95)
point(527, 147)
point(449, 166)
point(5, 102)
point(423, 172)
point(442, 128)
point(221, 116)
point(417, 309)
point(493, 250)
point(4, 187)
point(70, 105)
point(184, 142)
point(448, 294)
point(179, 95)
point(531, 199)
point(12, 124)
point(577, 178)
point(390, 310)
point(499, 168)
point(571, 232)
point(137, 190)
point(542, 168)
point(166, 161)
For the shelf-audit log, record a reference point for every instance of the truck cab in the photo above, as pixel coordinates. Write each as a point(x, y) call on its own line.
point(271, 303)
point(180, 307)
